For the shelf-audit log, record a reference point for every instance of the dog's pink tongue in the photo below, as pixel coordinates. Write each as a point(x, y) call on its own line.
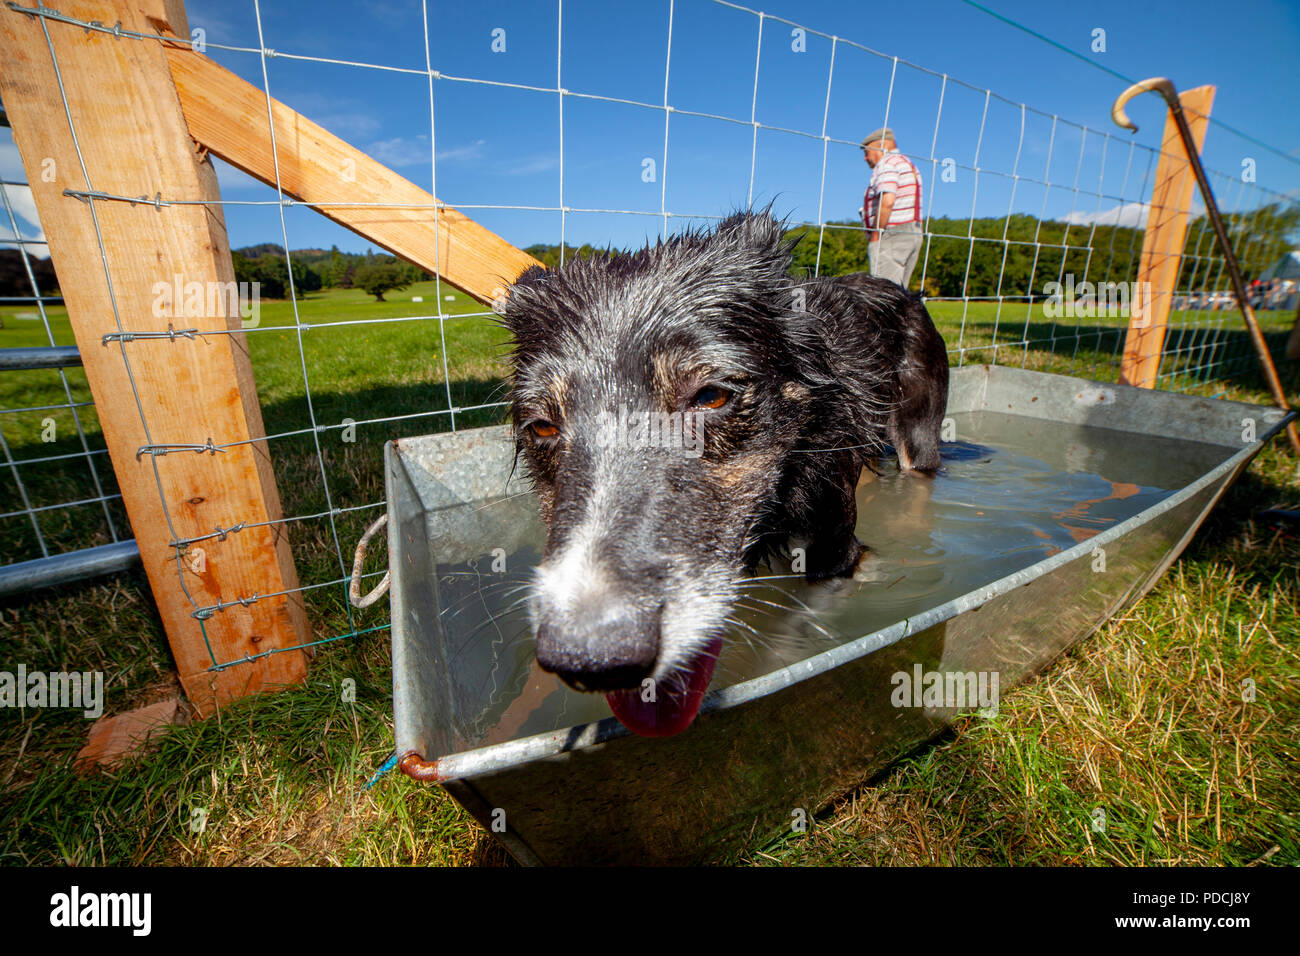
point(673, 709)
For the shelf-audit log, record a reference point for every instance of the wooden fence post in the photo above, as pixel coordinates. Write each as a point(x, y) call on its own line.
point(112, 258)
point(1162, 243)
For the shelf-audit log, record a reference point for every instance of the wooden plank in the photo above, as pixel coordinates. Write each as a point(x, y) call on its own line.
point(1162, 244)
point(135, 142)
point(113, 739)
point(228, 116)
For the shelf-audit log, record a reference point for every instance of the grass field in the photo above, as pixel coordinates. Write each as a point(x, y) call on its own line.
point(1142, 719)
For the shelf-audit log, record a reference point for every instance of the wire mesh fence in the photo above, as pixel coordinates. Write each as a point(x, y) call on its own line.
point(1032, 227)
point(57, 486)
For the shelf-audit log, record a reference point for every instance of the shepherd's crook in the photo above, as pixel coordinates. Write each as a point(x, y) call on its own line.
point(1166, 89)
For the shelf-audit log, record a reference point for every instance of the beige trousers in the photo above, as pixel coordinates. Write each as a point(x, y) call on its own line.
point(894, 255)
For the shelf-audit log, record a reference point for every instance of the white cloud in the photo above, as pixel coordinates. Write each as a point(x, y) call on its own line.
point(231, 179)
point(1127, 214)
point(206, 17)
point(34, 245)
point(347, 125)
point(399, 11)
point(20, 199)
point(473, 150)
point(400, 150)
point(11, 163)
point(540, 164)
point(414, 150)
point(347, 117)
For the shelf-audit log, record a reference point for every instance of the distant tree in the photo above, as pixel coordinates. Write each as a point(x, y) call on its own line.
point(992, 257)
point(261, 249)
point(381, 277)
point(1259, 236)
point(414, 273)
point(14, 280)
point(272, 275)
point(333, 268)
point(305, 278)
point(270, 283)
point(549, 256)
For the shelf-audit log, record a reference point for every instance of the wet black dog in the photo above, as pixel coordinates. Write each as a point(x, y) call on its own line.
point(684, 410)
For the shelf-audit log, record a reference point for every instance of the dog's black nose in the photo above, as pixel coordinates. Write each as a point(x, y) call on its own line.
point(600, 651)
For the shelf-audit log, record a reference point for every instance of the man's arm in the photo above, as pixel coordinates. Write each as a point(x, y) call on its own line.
point(882, 220)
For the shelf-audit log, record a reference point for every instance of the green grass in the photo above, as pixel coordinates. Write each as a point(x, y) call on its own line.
point(359, 372)
point(1142, 720)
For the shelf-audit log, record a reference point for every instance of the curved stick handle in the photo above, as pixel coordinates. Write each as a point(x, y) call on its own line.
point(1160, 84)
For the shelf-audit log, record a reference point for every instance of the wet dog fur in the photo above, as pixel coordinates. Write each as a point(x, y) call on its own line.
point(790, 385)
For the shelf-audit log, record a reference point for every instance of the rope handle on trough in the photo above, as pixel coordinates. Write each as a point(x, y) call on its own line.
point(354, 588)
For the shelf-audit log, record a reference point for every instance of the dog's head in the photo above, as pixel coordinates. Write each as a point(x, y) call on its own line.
point(655, 397)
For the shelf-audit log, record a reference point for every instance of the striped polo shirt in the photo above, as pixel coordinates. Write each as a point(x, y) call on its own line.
point(893, 174)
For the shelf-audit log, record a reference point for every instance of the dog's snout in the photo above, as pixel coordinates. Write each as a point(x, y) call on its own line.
point(599, 649)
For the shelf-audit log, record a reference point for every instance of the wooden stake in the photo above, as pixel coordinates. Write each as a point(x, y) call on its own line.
point(135, 142)
point(1162, 243)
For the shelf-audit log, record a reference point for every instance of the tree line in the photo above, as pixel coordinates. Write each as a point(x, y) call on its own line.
point(1019, 254)
point(993, 256)
point(15, 282)
point(315, 269)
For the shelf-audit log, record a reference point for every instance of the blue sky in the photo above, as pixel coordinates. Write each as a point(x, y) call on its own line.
point(501, 146)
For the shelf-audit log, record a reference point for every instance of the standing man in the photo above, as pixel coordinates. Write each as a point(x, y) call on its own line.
point(891, 210)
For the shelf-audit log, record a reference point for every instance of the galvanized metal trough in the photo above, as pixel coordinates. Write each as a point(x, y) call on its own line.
point(834, 696)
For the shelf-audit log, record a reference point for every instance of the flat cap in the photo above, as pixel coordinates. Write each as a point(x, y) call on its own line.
point(876, 135)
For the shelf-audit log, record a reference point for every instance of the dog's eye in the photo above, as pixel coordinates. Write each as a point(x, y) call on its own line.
point(544, 430)
point(710, 397)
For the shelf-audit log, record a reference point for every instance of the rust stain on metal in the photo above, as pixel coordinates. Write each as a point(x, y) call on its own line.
point(417, 768)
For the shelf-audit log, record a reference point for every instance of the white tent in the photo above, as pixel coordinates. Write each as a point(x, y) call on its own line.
point(1288, 267)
